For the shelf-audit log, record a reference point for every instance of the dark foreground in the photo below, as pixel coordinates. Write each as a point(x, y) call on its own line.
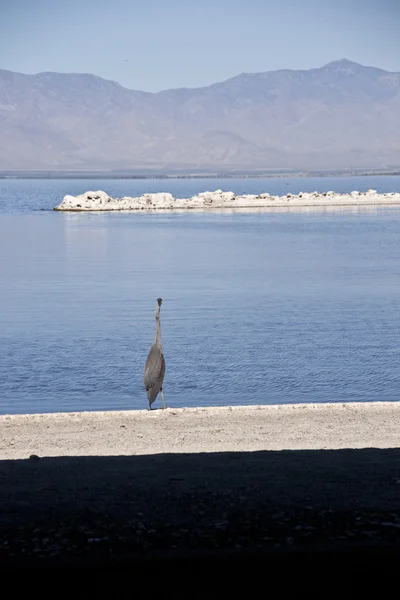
point(199, 525)
point(322, 571)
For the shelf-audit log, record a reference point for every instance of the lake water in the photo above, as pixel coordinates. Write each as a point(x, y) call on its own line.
point(262, 307)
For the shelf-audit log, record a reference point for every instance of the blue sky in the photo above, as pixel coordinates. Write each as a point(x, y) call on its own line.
point(157, 44)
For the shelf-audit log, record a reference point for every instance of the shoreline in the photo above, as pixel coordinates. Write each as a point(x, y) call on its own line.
point(100, 201)
point(203, 429)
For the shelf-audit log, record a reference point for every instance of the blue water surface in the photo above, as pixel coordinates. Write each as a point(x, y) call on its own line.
point(260, 307)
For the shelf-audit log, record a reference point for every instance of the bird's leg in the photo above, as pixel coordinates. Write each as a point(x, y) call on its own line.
point(149, 407)
point(162, 399)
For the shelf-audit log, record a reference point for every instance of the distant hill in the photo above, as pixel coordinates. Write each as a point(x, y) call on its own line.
point(340, 115)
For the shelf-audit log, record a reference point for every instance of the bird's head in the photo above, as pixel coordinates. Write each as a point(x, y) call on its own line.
point(159, 301)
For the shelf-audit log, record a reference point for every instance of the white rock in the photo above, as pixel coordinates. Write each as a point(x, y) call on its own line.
point(160, 200)
point(69, 199)
point(217, 197)
point(100, 197)
point(248, 199)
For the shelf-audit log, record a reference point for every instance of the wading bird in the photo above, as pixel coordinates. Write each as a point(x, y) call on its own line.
point(154, 369)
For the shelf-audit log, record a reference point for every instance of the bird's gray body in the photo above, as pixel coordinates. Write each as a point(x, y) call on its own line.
point(154, 369)
point(154, 372)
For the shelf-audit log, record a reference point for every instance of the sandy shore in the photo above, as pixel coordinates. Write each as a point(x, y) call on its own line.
point(213, 478)
point(219, 429)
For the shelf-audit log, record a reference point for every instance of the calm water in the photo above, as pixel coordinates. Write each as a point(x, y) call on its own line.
point(260, 307)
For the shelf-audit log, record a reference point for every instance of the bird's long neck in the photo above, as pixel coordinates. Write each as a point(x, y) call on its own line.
point(158, 327)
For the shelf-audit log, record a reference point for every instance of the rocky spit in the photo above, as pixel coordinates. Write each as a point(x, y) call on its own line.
point(101, 201)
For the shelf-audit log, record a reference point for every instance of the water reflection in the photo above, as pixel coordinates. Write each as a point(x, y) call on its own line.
point(85, 238)
point(355, 209)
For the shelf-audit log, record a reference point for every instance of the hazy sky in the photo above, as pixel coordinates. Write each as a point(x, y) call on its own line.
point(157, 44)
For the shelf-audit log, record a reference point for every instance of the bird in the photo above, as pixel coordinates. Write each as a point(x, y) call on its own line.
point(154, 369)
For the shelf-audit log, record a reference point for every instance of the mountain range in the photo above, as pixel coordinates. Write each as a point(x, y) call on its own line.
point(341, 115)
